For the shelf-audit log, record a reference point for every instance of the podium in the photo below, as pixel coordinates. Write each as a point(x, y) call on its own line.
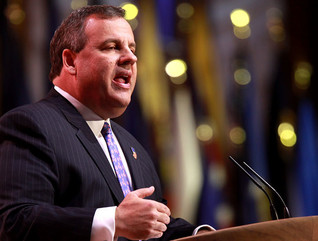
point(290, 229)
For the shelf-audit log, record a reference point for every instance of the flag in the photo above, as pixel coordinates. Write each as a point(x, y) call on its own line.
point(305, 188)
point(214, 208)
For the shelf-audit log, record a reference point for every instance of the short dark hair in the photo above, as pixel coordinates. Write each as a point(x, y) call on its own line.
point(71, 33)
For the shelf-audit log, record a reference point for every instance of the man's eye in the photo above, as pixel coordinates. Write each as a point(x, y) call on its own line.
point(109, 47)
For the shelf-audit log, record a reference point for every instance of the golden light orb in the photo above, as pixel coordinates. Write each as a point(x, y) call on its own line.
point(242, 76)
point(287, 134)
point(131, 11)
point(76, 4)
point(180, 79)
point(284, 126)
point(176, 68)
point(238, 135)
point(15, 14)
point(204, 132)
point(240, 18)
point(242, 32)
point(185, 10)
point(302, 75)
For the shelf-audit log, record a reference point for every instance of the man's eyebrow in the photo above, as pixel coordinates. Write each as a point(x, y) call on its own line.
point(116, 41)
point(107, 41)
point(132, 45)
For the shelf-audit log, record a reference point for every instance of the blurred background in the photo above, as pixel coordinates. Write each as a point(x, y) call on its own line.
point(215, 79)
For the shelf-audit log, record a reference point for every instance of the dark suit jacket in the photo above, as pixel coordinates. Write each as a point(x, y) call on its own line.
point(54, 174)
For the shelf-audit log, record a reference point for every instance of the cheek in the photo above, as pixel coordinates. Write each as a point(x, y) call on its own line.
point(86, 69)
point(106, 68)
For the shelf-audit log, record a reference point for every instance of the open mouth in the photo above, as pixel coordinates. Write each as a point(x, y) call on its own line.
point(122, 79)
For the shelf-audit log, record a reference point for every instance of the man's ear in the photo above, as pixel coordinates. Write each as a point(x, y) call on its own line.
point(68, 57)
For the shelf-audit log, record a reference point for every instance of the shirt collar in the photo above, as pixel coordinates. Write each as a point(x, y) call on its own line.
point(94, 121)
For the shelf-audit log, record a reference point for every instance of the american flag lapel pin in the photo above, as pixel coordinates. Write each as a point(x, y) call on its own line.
point(133, 152)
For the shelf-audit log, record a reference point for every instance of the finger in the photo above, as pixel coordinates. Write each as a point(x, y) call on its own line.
point(156, 234)
point(163, 218)
point(144, 192)
point(163, 208)
point(161, 227)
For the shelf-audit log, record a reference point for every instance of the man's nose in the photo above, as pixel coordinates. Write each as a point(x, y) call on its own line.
point(128, 57)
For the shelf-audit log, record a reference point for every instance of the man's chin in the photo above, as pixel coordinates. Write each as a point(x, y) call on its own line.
point(114, 107)
point(117, 111)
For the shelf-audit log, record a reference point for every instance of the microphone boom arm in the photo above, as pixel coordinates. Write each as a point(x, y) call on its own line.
point(286, 211)
point(272, 207)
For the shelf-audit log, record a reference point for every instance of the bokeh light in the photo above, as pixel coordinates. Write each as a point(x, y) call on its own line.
point(302, 75)
point(283, 127)
point(185, 10)
point(15, 14)
point(204, 132)
point(275, 24)
point(76, 4)
point(176, 68)
point(237, 135)
point(240, 18)
point(242, 76)
point(277, 33)
point(131, 11)
point(242, 32)
point(287, 134)
point(180, 79)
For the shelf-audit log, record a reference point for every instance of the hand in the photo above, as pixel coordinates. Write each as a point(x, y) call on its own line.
point(137, 218)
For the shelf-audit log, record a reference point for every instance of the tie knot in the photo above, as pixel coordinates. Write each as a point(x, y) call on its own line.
point(106, 129)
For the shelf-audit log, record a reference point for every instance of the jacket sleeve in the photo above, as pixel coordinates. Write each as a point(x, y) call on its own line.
point(28, 183)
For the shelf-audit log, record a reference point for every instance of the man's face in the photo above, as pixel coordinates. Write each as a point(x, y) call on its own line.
point(106, 67)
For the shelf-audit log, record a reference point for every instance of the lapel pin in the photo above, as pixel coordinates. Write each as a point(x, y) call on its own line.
point(133, 152)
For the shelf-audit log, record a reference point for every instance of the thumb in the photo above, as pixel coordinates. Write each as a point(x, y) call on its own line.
point(144, 192)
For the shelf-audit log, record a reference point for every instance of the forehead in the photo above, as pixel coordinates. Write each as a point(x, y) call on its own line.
point(113, 27)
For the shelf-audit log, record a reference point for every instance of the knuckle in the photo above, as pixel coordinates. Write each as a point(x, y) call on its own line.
point(148, 205)
point(149, 226)
point(147, 232)
point(153, 215)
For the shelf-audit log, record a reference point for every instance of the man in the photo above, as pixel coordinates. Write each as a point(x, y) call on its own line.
point(61, 178)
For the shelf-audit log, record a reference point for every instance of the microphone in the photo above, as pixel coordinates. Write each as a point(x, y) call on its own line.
point(273, 211)
point(286, 211)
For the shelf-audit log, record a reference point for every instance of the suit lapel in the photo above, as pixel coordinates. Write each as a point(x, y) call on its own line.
point(88, 140)
point(93, 148)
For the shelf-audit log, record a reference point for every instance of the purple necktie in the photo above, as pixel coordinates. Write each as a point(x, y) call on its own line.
point(115, 156)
